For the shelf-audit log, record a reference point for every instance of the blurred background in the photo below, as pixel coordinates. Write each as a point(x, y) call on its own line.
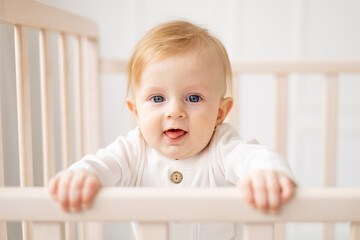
point(250, 30)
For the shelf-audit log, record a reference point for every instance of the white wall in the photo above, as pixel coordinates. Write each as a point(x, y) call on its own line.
point(249, 29)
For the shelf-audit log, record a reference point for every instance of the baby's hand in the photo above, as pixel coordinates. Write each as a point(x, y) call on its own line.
point(266, 189)
point(74, 189)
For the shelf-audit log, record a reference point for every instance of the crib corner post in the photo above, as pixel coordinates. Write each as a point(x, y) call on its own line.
point(263, 231)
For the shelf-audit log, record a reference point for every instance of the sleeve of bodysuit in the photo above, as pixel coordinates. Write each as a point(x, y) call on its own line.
point(238, 157)
point(115, 163)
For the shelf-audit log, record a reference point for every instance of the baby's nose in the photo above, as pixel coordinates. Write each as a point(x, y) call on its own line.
point(175, 110)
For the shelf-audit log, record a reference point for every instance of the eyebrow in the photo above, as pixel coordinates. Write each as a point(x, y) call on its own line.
point(199, 87)
point(153, 89)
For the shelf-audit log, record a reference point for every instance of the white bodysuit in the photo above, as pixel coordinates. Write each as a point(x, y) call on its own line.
point(130, 162)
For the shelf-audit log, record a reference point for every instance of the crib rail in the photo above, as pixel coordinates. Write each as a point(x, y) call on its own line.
point(153, 205)
point(297, 66)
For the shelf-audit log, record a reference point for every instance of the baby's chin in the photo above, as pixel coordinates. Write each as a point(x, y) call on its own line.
point(174, 152)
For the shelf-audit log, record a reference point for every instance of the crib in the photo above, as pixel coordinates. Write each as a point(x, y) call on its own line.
point(152, 208)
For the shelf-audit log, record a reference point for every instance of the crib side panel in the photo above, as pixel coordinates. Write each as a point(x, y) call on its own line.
point(24, 14)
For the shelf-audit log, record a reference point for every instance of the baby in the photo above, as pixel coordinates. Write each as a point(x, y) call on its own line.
point(179, 85)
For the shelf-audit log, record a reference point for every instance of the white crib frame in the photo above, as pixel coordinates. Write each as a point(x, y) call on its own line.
point(153, 208)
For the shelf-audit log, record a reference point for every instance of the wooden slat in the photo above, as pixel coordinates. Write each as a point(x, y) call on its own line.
point(23, 113)
point(90, 230)
point(151, 204)
point(45, 230)
point(96, 95)
point(65, 116)
point(3, 230)
point(258, 231)
point(355, 231)
point(64, 102)
point(80, 104)
point(92, 99)
point(281, 129)
point(281, 113)
point(69, 230)
point(78, 59)
point(329, 131)
point(46, 108)
point(23, 106)
point(78, 98)
point(279, 231)
point(329, 141)
point(38, 15)
point(158, 231)
point(328, 231)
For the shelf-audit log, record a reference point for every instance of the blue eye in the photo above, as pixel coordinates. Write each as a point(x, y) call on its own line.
point(157, 99)
point(193, 98)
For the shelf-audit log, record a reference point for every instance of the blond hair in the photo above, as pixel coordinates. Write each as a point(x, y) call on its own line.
point(174, 38)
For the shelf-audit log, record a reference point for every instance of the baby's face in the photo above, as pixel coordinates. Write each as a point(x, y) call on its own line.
point(179, 102)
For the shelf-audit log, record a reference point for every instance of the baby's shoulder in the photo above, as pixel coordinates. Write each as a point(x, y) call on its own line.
point(224, 130)
point(226, 133)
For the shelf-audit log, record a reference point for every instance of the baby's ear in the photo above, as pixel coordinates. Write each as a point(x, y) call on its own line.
point(225, 107)
point(132, 106)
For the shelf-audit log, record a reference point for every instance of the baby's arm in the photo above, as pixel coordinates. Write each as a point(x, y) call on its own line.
point(74, 189)
point(266, 190)
point(113, 165)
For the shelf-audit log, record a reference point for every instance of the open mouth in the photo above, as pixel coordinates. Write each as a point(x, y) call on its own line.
point(175, 134)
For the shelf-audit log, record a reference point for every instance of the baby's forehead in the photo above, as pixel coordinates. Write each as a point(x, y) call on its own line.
point(187, 71)
point(209, 58)
point(193, 63)
point(206, 58)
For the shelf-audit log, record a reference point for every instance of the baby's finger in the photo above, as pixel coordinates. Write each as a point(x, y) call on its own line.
point(287, 188)
point(63, 190)
point(259, 191)
point(273, 191)
point(91, 186)
point(246, 190)
point(53, 185)
point(75, 190)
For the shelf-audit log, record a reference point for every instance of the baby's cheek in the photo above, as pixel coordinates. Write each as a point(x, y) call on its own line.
point(203, 133)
